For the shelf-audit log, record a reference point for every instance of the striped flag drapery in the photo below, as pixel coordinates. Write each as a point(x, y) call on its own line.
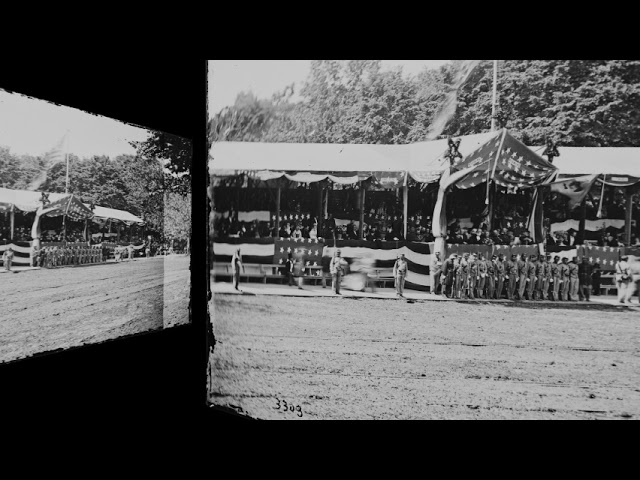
point(514, 165)
point(264, 251)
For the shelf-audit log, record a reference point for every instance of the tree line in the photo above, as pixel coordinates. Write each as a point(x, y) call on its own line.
point(584, 103)
point(154, 184)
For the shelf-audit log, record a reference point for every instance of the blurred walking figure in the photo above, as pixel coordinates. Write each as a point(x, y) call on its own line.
point(336, 267)
point(298, 270)
point(7, 258)
point(623, 278)
point(236, 265)
point(399, 273)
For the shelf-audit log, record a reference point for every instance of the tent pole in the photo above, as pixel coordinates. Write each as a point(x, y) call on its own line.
point(12, 216)
point(495, 95)
point(628, 216)
point(320, 195)
point(406, 207)
point(582, 222)
point(362, 190)
point(277, 233)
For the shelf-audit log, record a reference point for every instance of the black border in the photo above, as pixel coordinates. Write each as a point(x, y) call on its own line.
point(158, 376)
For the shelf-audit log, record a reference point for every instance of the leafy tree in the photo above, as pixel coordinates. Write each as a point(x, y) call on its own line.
point(177, 217)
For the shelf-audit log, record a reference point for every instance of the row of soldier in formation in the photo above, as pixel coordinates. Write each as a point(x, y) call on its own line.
point(473, 276)
point(70, 255)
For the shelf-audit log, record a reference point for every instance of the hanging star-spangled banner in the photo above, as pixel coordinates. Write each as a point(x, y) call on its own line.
point(308, 249)
point(517, 167)
point(71, 206)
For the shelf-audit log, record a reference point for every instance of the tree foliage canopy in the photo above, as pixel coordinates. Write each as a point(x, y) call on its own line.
point(576, 102)
point(153, 184)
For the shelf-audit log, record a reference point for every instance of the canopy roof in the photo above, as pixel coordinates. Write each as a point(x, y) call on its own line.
point(424, 161)
point(29, 201)
point(618, 166)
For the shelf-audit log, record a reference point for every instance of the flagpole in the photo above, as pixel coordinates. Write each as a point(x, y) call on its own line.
point(66, 188)
point(495, 95)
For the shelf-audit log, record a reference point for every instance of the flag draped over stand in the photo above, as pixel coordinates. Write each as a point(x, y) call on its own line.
point(576, 189)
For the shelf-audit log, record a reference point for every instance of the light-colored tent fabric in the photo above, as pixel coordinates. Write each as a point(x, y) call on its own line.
point(118, 215)
point(601, 160)
point(423, 160)
point(25, 200)
point(29, 201)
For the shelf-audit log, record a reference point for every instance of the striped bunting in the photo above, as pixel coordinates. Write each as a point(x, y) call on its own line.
point(21, 252)
point(262, 251)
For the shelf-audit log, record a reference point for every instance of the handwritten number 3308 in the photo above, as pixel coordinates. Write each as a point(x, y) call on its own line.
point(286, 407)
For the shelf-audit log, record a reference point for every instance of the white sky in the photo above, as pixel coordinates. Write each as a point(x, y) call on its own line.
point(227, 78)
point(33, 126)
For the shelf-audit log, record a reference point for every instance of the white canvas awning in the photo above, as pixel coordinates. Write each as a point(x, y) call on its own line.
point(29, 201)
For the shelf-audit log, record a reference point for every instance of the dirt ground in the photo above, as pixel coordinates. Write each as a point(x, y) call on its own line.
point(49, 309)
point(342, 358)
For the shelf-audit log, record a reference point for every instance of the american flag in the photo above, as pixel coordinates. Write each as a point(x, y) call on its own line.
point(574, 188)
point(309, 249)
point(56, 154)
point(517, 167)
point(71, 206)
point(605, 256)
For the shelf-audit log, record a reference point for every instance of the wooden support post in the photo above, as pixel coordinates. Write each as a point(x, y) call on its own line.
point(628, 216)
point(277, 234)
point(320, 217)
point(12, 217)
point(406, 208)
point(582, 222)
point(362, 190)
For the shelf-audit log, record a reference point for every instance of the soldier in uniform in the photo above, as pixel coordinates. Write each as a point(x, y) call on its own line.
point(585, 270)
point(459, 282)
point(448, 275)
point(564, 279)
point(473, 276)
point(336, 267)
point(400, 273)
point(532, 268)
point(491, 277)
point(482, 275)
point(546, 277)
point(436, 265)
point(573, 279)
point(464, 264)
point(523, 269)
point(501, 272)
point(511, 270)
point(555, 279)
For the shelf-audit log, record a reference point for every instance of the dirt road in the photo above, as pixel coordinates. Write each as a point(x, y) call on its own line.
point(49, 309)
point(340, 358)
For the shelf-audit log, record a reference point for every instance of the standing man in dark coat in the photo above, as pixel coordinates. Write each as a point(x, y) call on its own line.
point(556, 279)
point(511, 270)
point(585, 270)
point(436, 265)
point(448, 275)
point(500, 274)
point(532, 268)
